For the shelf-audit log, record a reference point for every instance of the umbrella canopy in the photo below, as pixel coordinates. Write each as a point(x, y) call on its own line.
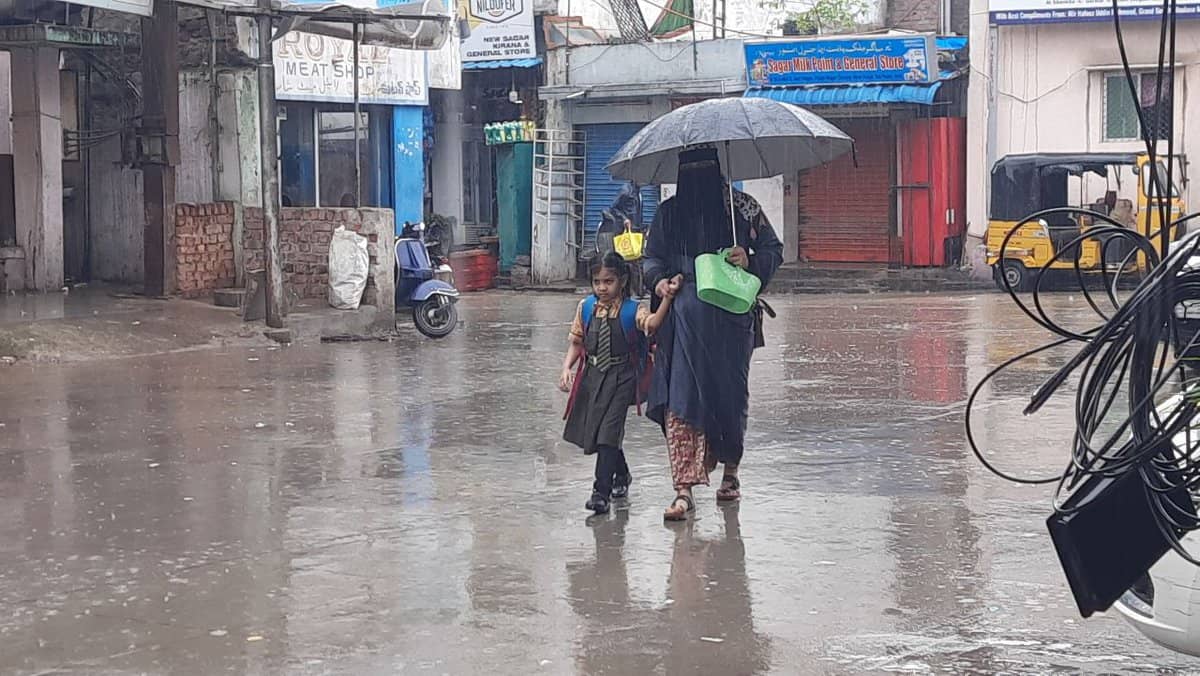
point(756, 138)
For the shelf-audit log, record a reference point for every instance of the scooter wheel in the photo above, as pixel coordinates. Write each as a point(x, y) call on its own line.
point(435, 316)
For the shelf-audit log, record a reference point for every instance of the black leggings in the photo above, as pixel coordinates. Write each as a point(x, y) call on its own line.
point(610, 462)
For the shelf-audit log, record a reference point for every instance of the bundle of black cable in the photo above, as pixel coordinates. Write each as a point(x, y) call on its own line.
point(1128, 485)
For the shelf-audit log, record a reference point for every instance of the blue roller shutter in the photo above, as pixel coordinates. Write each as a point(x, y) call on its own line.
point(601, 142)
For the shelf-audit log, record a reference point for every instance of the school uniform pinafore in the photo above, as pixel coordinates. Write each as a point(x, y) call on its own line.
point(604, 395)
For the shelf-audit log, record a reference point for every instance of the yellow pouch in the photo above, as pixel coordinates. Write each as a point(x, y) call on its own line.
point(629, 244)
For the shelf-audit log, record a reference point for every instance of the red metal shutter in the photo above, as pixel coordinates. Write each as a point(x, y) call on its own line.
point(844, 210)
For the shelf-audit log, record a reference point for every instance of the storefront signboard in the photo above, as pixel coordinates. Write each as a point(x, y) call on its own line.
point(496, 29)
point(312, 67)
point(865, 60)
point(1005, 12)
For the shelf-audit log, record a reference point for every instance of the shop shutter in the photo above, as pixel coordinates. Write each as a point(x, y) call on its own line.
point(844, 209)
point(601, 142)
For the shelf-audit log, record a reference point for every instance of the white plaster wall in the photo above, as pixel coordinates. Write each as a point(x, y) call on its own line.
point(653, 63)
point(194, 175)
point(443, 66)
point(769, 193)
point(118, 219)
point(1048, 96)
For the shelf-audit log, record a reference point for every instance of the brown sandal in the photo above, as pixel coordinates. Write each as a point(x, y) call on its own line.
point(730, 490)
point(671, 515)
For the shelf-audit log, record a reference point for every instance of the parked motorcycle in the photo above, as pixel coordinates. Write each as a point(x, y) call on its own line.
point(432, 300)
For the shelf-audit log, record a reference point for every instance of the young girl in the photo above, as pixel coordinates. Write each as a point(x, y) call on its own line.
point(609, 345)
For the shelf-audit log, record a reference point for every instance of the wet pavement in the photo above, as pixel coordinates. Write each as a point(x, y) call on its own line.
point(102, 322)
point(407, 507)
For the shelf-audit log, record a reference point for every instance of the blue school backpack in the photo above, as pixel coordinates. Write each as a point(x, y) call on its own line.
point(642, 364)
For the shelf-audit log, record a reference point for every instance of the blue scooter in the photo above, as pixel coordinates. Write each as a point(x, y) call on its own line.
point(432, 300)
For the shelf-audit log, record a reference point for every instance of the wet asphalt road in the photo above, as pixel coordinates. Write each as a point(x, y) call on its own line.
point(407, 507)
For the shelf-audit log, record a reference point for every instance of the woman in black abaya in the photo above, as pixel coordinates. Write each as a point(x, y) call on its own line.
point(700, 392)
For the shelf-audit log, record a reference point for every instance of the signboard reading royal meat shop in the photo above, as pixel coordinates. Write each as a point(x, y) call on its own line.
point(496, 29)
point(318, 68)
point(868, 60)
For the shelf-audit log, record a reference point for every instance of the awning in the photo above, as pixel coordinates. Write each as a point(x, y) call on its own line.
point(951, 43)
point(502, 63)
point(849, 95)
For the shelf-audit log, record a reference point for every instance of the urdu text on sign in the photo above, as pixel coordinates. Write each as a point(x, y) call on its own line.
point(876, 60)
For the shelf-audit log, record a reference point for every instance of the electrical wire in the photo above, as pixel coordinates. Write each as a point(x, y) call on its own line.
point(1134, 404)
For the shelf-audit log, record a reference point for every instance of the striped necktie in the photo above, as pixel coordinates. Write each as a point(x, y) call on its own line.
point(603, 344)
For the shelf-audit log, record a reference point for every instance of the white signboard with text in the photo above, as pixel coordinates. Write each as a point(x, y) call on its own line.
point(1072, 11)
point(496, 29)
point(318, 68)
point(445, 65)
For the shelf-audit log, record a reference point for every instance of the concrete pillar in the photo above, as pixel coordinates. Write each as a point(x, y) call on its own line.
point(553, 259)
point(980, 115)
point(789, 228)
point(37, 160)
point(447, 165)
point(5, 105)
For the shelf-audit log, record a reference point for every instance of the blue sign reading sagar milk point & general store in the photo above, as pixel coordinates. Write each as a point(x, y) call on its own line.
point(869, 60)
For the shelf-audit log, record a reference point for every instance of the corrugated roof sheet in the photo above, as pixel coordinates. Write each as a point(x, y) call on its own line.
point(951, 43)
point(848, 95)
point(502, 63)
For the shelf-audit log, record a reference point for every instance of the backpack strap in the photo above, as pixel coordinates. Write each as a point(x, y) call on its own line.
point(589, 309)
point(629, 310)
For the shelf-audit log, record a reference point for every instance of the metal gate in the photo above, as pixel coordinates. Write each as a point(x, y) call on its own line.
point(845, 209)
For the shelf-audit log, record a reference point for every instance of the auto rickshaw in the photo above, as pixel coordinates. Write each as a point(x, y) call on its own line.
point(1113, 184)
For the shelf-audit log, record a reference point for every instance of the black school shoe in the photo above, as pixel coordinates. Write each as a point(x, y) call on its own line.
point(621, 486)
point(598, 504)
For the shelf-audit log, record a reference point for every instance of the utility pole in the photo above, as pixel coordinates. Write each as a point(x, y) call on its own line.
point(269, 144)
point(159, 149)
point(357, 128)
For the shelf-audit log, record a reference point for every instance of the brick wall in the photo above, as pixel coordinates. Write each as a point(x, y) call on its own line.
point(204, 247)
point(925, 15)
point(304, 236)
point(206, 258)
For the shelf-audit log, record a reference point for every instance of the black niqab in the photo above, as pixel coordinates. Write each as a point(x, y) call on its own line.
point(700, 220)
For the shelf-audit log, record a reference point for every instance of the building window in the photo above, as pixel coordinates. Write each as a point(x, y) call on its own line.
point(1120, 109)
point(316, 156)
point(336, 134)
